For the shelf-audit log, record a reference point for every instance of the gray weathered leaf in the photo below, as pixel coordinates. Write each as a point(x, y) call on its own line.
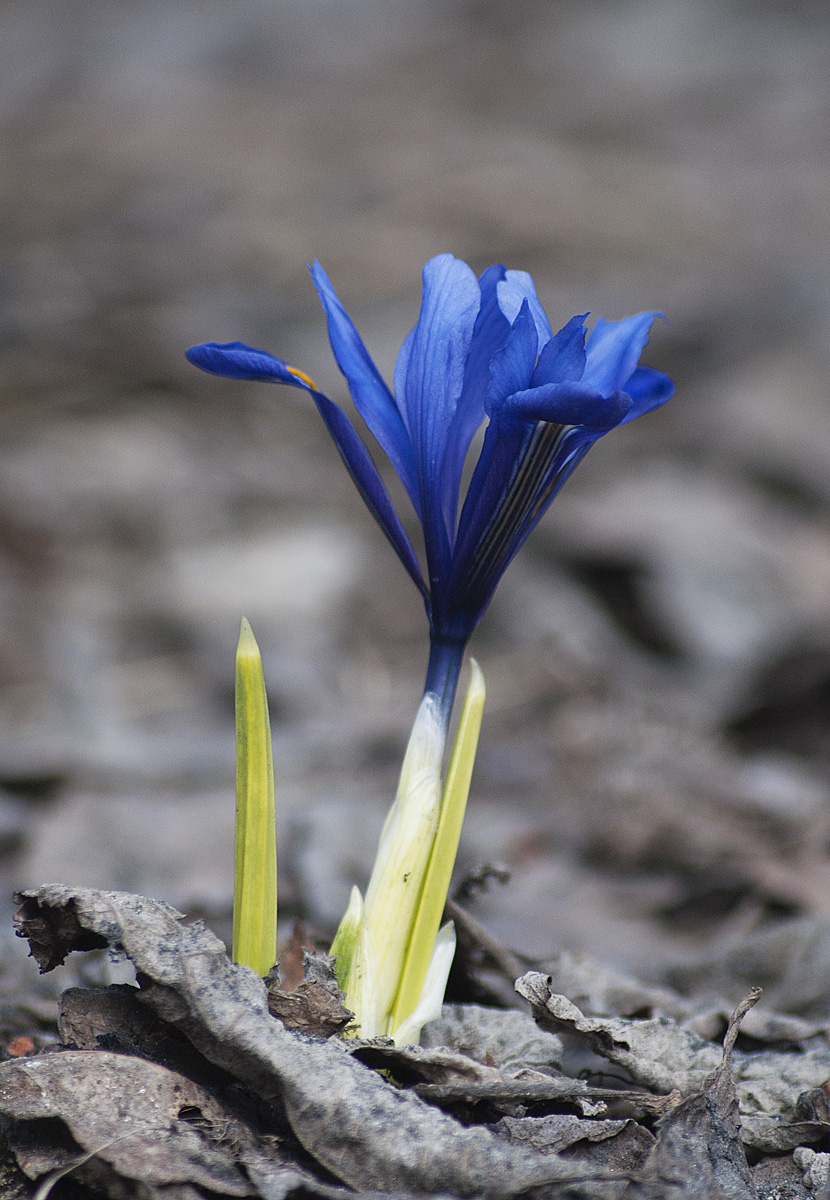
point(364, 1131)
point(661, 1055)
point(699, 1154)
point(147, 1123)
point(503, 1038)
point(656, 1053)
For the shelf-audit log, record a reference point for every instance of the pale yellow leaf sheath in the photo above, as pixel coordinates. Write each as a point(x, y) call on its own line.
point(392, 960)
point(436, 884)
point(255, 849)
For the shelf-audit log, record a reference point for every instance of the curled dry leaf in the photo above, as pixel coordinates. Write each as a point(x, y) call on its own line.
point(661, 1055)
point(309, 1008)
point(655, 1053)
point(623, 1144)
point(135, 1128)
point(698, 1154)
point(352, 1122)
point(600, 990)
point(503, 1038)
point(310, 1002)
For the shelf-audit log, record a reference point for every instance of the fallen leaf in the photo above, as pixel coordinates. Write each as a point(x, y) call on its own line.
point(309, 1008)
point(655, 1053)
point(357, 1126)
point(140, 1120)
point(661, 1055)
point(312, 1003)
point(698, 1154)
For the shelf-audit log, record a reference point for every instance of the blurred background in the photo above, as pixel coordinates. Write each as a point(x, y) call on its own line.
point(655, 763)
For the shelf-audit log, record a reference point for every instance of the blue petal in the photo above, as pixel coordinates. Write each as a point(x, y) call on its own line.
point(563, 358)
point(523, 468)
point(512, 367)
point(648, 389)
point(429, 378)
point(490, 330)
point(513, 291)
point(364, 473)
point(569, 404)
point(235, 360)
point(564, 450)
point(372, 398)
point(614, 348)
point(238, 361)
point(505, 441)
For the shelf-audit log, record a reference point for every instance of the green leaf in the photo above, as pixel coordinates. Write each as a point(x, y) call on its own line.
point(255, 849)
point(346, 938)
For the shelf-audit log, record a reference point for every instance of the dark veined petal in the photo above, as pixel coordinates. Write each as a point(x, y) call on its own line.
point(508, 500)
point(498, 467)
point(517, 287)
point(510, 503)
point(429, 377)
point(372, 398)
point(648, 389)
point(569, 404)
point(238, 361)
point(613, 350)
point(563, 358)
point(489, 332)
point(512, 367)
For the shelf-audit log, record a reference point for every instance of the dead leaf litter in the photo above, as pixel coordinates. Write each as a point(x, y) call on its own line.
point(194, 1083)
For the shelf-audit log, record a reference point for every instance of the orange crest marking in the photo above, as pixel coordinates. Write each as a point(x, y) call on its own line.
point(305, 378)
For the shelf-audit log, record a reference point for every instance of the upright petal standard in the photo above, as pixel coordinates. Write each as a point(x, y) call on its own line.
point(482, 352)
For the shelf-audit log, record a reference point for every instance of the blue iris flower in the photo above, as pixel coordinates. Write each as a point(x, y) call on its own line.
point(482, 351)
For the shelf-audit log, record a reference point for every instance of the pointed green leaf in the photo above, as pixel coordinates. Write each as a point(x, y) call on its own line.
point(255, 849)
point(346, 938)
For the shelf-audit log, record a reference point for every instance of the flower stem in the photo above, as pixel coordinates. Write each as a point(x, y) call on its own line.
point(443, 669)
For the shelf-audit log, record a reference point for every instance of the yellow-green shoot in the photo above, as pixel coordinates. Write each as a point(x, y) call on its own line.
point(393, 958)
point(255, 846)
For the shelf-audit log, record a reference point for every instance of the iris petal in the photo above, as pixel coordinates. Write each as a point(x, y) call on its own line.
point(614, 348)
point(563, 453)
point(364, 473)
point(544, 455)
point(513, 291)
point(238, 361)
point(505, 443)
point(372, 398)
point(429, 372)
point(235, 360)
point(512, 366)
point(429, 377)
point(569, 404)
point(648, 389)
point(489, 332)
point(563, 357)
